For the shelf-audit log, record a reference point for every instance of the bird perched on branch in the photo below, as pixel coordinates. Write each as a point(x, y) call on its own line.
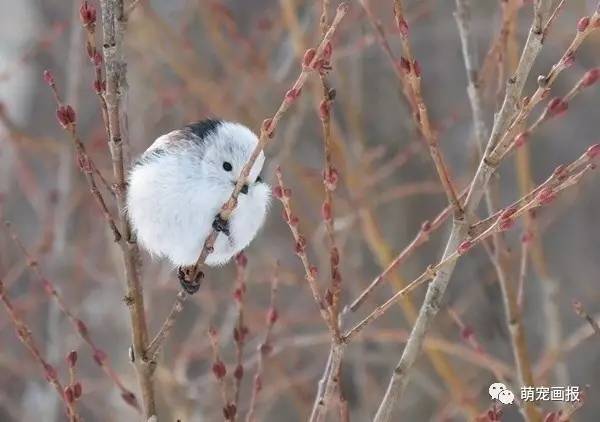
point(178, 186)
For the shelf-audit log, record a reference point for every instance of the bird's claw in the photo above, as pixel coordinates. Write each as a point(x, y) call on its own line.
point(221, 225)
point(190, 286)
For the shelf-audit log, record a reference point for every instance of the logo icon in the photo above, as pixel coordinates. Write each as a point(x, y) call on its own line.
point(506, 397)
point(495, 389)
point(498, 391)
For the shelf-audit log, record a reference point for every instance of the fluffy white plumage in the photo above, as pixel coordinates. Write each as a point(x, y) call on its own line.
point(177, 188)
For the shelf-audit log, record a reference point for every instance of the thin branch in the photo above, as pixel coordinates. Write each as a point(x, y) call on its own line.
point(265, 347)
point(413, 74)
point(113, 29)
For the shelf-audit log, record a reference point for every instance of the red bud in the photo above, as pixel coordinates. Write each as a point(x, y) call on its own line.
point(77, 390)
point(506, 223)
point(583, 23)
point(569, 59)
point(464, 247)
point(272, 316)
point(97, 59)
point(334, 257)
point(69, 395)
point(241, 260)
point(300, 245)
point(556, 107)
point(508, 213)
point(130, 399)
point(229, 411)
point(82, 328)
point(309, 55)
point(402, 26)
point(65, 115)
point(521, 139)
point(327, 52)
point(219, 369)
point(593, 151)
point(546, 195)
point(324, 110)
point(590, 77)
point(278, 192)
point(239, 372)
point(87, 14)
point(72, 358)
point(331, 179)
point(426, 226)
point(292, 94)
point(48, 77)
point(50, 371)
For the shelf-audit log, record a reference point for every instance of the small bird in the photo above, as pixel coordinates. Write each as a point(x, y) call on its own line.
point(177, 187)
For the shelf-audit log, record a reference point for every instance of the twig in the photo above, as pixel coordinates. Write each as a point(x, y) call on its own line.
point(220, 372)
point(265, 347)
point(413, 74)
point(100, 357)
point(419, 239)
point(66, 117)
point(24, 334)
point(284, 195)
point(581, 312)
point(313, 60)
point(459, 231)
point(240, 331)
point(463, 17)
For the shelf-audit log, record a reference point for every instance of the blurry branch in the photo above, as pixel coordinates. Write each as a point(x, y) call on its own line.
point(265, 347)
point(24, 334)
point(23, 140)
point(330, 379)
point(505, 117)
point(100, 357)
point(240, 330)
point(545, 193)
point(408, 72)
point(113, 29)
point(377, 244)
point(421, 237)
point(67, 119)
point(220, 371)
point(463, 18)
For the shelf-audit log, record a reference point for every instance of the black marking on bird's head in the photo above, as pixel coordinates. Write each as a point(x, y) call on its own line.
point(204, 128)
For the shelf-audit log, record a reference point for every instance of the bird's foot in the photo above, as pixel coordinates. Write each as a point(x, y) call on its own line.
point(189, 283)
point(221, 225)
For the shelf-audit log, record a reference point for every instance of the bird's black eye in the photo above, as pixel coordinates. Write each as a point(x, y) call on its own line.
point(227, 166)
point(259, 179)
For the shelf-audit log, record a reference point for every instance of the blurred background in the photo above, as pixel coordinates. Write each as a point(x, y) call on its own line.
point(192, 59)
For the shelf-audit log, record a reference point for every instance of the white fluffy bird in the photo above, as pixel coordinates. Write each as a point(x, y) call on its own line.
point(177, 187)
